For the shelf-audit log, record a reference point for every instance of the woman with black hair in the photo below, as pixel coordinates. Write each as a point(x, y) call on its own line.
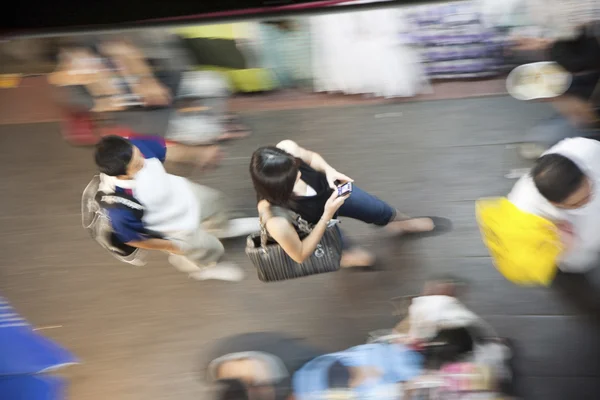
point(300, 180)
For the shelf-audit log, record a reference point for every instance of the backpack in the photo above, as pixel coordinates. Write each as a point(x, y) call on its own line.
point(95, 219)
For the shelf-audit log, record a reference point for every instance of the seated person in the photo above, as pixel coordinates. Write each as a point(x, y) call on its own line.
point(111, 74)
point(256, 366)
point(454, 341)
point(370, 371)
point(180, 217)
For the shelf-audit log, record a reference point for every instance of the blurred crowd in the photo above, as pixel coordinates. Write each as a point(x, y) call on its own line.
point(440, 350)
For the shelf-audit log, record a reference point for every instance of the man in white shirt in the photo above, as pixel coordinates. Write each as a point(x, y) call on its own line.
point(563, 187)
point(180, 217)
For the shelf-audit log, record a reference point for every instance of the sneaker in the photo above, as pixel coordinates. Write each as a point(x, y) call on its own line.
point(240, 227)
point(222, 271)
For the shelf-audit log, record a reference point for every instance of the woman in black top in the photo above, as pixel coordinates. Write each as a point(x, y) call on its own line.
point(291, 177)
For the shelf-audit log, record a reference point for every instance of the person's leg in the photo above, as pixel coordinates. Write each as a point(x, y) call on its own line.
point(194, 128)
point(579, 112)
point(201, 258)
point(367, 208)
point(215, 123)
point(204, 157)
point(217, 98)
point(579, 289)
point(354, 256)
point(215, 216)
point(577, 104)
point(200, 104)
point(203, 248)
point(545, 135)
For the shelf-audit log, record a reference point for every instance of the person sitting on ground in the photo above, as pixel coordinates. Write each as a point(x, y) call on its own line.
point(111, 74)
point(562, 188)
point(180, 217)
point(293, 178)
point(450, 337)
point(256, 366)
point(369, 371)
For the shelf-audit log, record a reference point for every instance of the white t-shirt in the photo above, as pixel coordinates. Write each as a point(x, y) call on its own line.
point(169, 201)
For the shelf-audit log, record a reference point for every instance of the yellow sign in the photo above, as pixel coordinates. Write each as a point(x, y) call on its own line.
point(8, 81)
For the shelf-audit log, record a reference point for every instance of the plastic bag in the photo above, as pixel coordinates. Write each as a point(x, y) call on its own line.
point(525, 247)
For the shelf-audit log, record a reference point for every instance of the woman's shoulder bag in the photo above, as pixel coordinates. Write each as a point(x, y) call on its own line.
point(273, 264)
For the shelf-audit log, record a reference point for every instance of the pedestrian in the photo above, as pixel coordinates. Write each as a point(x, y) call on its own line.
point(181, 218)
point(291, 177)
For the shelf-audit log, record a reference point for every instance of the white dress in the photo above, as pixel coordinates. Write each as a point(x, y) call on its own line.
point(362, 53)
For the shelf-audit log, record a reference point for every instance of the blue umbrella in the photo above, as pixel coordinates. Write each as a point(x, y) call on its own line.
point(23, 351)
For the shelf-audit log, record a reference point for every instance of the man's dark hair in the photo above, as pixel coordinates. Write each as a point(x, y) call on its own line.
point(113, 155)
point(232, 389)
point(556, 177)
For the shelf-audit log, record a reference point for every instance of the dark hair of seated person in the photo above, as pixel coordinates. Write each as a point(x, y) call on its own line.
point(338, 376)
point(556, 177)
point(454, 344)
point(232, 389)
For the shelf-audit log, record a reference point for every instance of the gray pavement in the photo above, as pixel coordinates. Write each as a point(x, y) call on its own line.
point(141, 332)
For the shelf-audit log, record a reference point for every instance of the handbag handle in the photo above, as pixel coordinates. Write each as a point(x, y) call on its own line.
point(293, 218)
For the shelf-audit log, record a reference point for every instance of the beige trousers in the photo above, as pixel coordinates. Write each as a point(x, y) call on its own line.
point(202, 247)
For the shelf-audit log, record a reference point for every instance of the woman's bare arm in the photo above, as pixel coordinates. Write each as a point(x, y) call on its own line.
point(283, 232)
point(315, 161)
point(310, 157)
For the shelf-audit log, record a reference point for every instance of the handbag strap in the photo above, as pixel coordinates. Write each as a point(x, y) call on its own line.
point(293, 218)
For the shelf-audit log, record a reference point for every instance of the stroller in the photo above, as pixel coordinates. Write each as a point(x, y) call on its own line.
point(463, 356)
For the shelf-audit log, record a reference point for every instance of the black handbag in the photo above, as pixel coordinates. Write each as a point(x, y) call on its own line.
point(273, 264)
